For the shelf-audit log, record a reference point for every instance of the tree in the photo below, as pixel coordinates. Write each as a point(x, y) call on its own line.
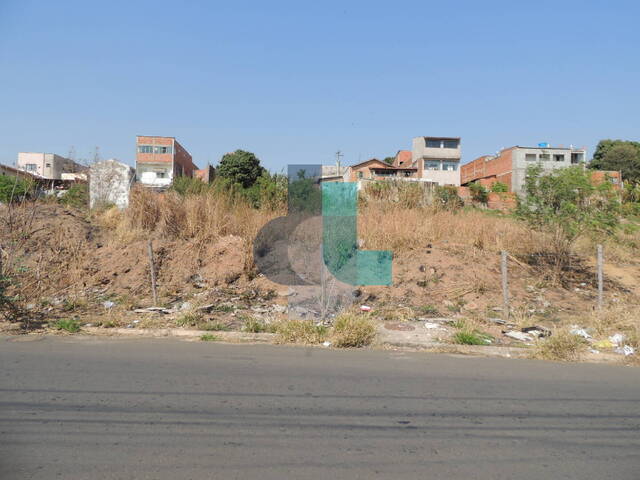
point(389, 160)
point(566, 205)
point(240, 167)
point(619, 155)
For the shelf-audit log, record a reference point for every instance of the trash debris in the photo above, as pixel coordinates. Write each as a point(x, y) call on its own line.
point(153, 310)
point(593, 350)
point(604, 345)
point(326, 344)
point(617, 339)
point(521, 336)
point(136, 321)
point(581, 332)
point(185, 306)
point(365, 308)
point(431, 326)
point(537, 331)
point(108, 304)
point(626, 350)
point(499, 321)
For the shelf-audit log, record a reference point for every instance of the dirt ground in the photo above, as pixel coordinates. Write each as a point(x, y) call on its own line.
point(67, 266)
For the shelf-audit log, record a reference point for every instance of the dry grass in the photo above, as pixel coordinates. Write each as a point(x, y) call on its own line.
point(203, 217)
point(561, 346)
point(301, 332)
point(352, 330)
point(391, 226)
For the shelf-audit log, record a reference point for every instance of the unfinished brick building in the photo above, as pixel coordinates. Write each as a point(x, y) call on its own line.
point(160, 159)
point(509, 166)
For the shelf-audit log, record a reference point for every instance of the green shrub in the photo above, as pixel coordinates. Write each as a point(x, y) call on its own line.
point(466, 337)
point(499, 187)
point(207, 337)
point(479, 193)
point(77, 196)
point(567, 205)
point(68, 324)
point(13, 189)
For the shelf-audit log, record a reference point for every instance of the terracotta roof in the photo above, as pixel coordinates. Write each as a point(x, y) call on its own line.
point(369, 161)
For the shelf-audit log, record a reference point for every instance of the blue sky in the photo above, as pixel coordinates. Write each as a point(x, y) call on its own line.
point(296, 81)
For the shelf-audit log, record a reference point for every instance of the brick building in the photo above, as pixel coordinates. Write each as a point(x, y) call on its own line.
point(160, 159)
point(509, 166)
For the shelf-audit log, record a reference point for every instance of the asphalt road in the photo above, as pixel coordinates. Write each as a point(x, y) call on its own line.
point(91, 408)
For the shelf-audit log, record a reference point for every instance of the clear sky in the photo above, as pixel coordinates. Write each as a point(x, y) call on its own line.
point(296, 81)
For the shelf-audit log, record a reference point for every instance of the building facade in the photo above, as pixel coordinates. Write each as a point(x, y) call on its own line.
point(437, 159)
point(161, 159)
point(375, 169)
point(509, 166)
point(46, 165)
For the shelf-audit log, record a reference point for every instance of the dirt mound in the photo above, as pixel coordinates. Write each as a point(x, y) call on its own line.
point(57, 251)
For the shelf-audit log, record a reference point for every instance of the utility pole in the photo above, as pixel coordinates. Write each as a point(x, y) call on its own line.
point(338, 156)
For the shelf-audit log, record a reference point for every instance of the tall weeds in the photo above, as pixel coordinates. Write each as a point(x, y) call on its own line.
point(202, 217)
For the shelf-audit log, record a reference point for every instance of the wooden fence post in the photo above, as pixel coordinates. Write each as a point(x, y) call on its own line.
point(505, 283)
point(600, 276)
point(152, 268)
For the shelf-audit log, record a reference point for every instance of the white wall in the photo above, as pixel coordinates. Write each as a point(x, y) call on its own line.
point(110, 182)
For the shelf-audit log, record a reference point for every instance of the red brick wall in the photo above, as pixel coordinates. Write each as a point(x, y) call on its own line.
point(599, 176)
point(154, 157)
point(183, 158)
point(502, 201)
point(489, 171)
point(180, 157)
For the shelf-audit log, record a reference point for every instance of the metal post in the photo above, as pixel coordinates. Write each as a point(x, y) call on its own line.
point(152, 268)
point(600, 277)
point(505, 283)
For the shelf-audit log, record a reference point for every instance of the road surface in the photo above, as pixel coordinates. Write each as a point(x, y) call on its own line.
point(96, 408)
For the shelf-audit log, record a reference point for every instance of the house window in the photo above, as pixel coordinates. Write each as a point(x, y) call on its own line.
point(31, 167)
point(576, 158)
point(431, 165)
point(558, 158)
point(545, 157)
point(360, 175)
point(162, 149)
point(48, 165)
point(451, 166)
point(431, 143)
point(530, 157)
point(145, 149)
point(450, 144)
